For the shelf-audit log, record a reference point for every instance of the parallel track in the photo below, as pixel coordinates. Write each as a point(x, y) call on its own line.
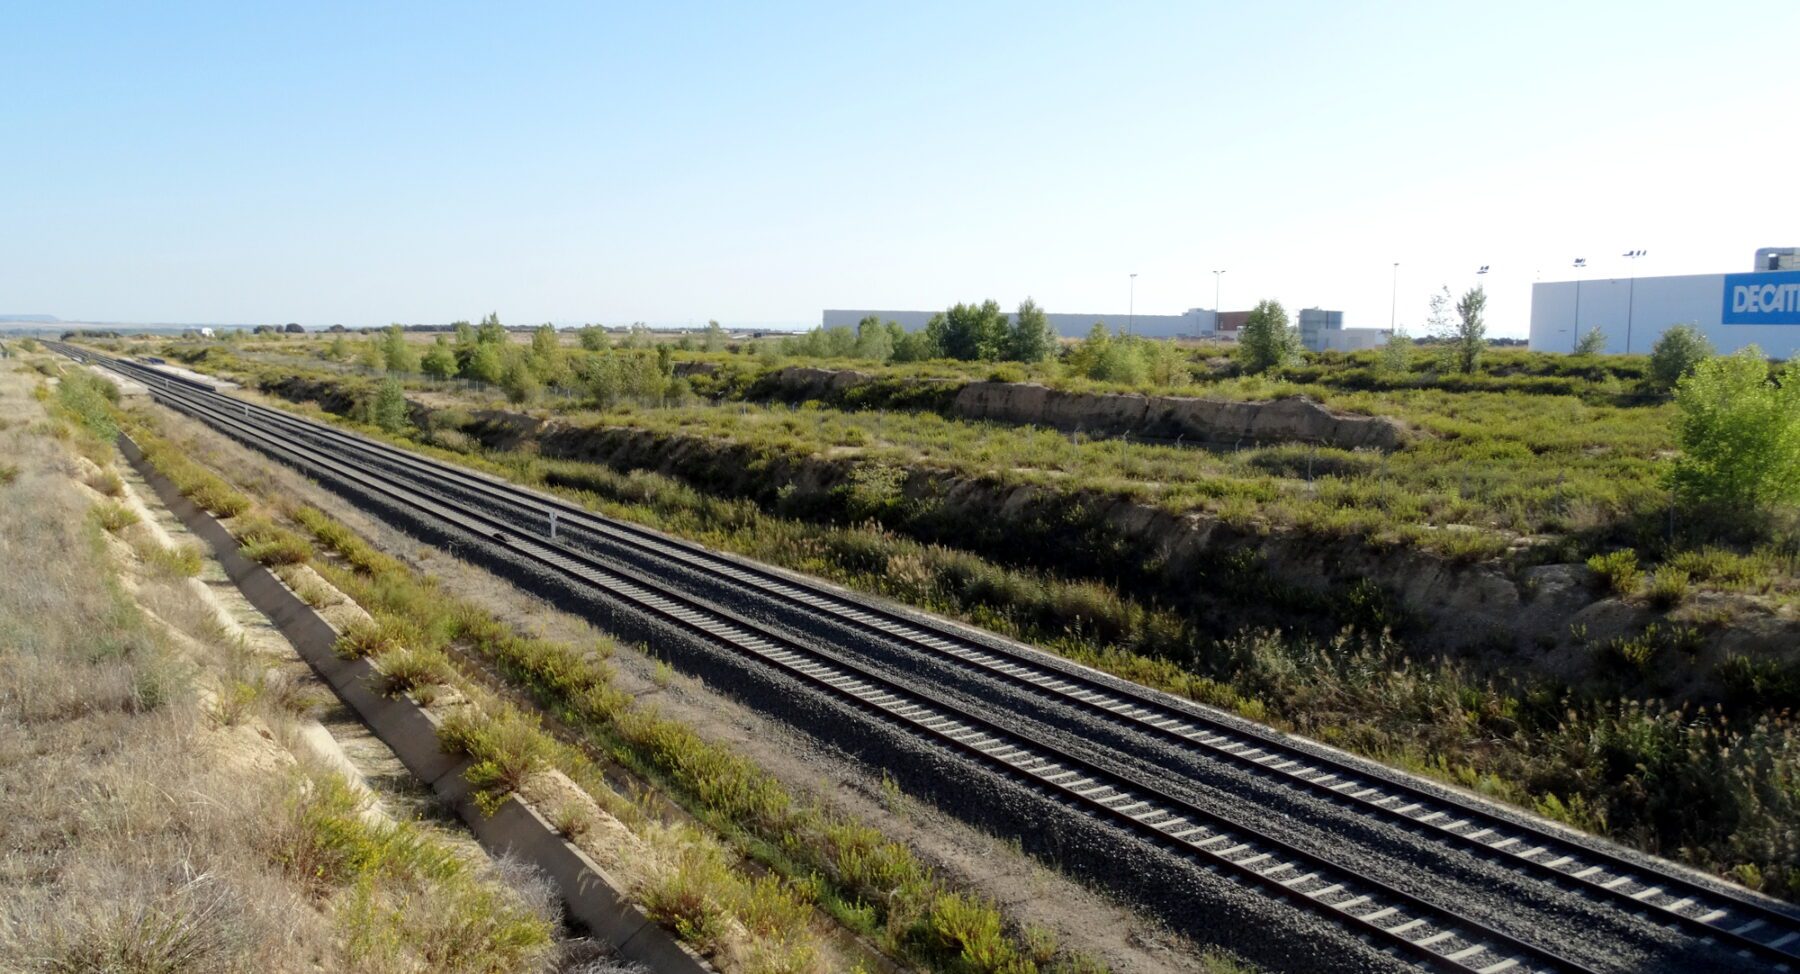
point(1441, 938)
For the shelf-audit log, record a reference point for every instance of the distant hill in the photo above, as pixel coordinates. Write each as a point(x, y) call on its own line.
point(29, 319)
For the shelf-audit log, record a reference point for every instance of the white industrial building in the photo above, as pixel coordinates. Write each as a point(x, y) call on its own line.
point(1319, 329)
point(1760, 307)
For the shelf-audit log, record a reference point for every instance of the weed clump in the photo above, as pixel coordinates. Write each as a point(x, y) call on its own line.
point(114, 517)
point(270, 544)
point(1617, 572)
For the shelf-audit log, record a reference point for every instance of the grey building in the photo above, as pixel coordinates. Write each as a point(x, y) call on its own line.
point(1195, 323)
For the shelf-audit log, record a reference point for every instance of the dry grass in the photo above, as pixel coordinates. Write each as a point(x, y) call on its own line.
point(104, 780)
point(140, 837)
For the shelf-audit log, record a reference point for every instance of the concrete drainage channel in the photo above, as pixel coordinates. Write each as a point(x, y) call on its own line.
point(593, 899)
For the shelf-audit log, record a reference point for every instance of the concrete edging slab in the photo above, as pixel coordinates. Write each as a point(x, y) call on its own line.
point(592, 897)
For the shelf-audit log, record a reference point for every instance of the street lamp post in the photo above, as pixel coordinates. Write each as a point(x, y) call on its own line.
point(1217, 308)
point(1631, 295)
point(1394, 299)
point(1574, 343)
point(1131, 305)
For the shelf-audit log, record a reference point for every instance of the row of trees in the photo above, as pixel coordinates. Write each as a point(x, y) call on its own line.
point(609, 372)
point(969, 332)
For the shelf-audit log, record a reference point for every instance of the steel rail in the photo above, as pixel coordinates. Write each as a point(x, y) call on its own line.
point(1665, 897)
point(1367, 906)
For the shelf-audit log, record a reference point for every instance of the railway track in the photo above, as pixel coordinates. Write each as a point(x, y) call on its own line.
point(1382, 914)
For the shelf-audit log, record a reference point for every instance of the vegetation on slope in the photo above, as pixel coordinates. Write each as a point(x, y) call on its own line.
point(143, 834)
point(1569, 455)
point(818, 857)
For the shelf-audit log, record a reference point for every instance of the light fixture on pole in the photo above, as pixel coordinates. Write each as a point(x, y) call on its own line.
point(1131, 305)
point(1217, 310)
point(1394, 298)
point(1580, 263)
point(1631, 294)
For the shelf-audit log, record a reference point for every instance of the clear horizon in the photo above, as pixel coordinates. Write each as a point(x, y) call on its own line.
point(211, 163)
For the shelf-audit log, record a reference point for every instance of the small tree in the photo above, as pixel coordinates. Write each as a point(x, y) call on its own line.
point(1267, 340)
point(1591, 342)
point(491, 332)
point(1440, 316)
point(969, 331)
point(396, 353)
point(873, 340)
point(370, 355)
point(546, 358)
point(1676, 353)
point(1030, 337)
point(520, 383)
point(1471, 328)
point(1739, 433)
point(715, 337)
point(440, 361)
point(1396, 354)
point(593, 339)
point(485, 364)
point(389, 411)
point(916, 346)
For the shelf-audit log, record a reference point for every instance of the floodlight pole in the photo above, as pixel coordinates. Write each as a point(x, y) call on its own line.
point(1394, 299)
point(1131, 305)
point(1631, 295)
point(1575, 341)
point(1217, 308)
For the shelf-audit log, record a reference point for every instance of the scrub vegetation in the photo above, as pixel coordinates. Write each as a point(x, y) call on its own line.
point(750, 880)
point(154, 822)
point(1522, 460)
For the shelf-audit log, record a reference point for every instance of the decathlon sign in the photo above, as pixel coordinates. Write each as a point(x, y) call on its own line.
point(1762, 299)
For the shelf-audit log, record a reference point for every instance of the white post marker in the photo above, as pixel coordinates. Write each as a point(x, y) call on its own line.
point(553, 524)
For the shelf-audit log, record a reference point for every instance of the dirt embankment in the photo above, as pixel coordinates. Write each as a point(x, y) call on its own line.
point(1543, 617)
point(1215, 422)
point(1207, 422)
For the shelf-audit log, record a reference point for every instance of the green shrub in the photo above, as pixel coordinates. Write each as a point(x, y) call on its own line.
point(683, 897)
point(969, 930)
point(1676, 353)
point(89, 400)
point(107, 481)
point(508, 747)
point(269, 543)
point(1729, 569)
point(1617, 571)
point(374, 637)
point(9, 472)
point(178, 561)
point(388, 410)
point(410, 668)
point(114, 517)
point(278, 551)
point(1267, 341)
point(1668, 587)
point(218, 498)
point(1591, 342)
point(1739, 433)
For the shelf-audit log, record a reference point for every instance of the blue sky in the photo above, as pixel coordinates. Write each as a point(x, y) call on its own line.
point(364, 163)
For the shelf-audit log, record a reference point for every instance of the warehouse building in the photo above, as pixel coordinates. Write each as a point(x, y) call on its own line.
point(1760, 307)
point(1320, 330)
point(1194, 323)
point(1324, 331)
